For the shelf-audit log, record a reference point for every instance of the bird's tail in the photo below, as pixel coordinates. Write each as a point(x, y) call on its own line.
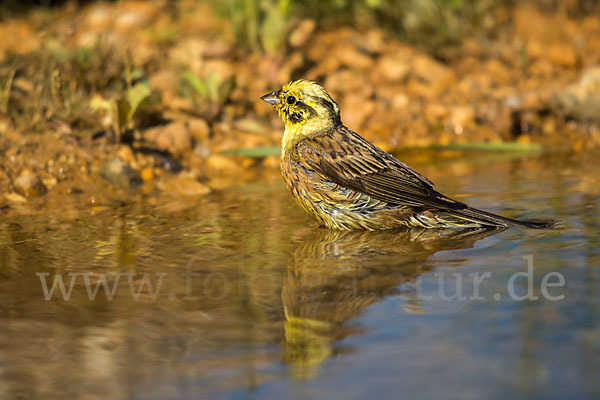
point(489, 219)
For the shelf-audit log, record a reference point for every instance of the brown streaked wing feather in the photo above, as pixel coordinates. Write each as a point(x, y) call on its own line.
point(349, 160)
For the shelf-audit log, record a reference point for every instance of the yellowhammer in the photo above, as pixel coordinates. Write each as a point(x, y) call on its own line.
point(346, 182)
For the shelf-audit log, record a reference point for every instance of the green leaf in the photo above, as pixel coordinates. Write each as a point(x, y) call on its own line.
point(255, 152)
point(226, 88)
point(212, 86)
point(272, 30)
point(123, 111)
point(196, 83)
point(135, 96)
point(481, 146)
point(137, 74)
point(100, 103)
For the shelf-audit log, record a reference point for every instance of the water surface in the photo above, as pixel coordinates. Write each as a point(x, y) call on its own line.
point(249, 298)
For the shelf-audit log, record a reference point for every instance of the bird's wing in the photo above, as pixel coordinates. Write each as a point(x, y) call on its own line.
point(348, 160)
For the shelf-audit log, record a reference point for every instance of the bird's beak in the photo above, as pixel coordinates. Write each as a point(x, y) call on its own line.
point(271, 98)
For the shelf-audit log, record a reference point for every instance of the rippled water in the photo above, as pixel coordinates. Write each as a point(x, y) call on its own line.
point(251, 299)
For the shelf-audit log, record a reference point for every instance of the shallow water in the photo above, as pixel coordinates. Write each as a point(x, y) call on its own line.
point(251, 299)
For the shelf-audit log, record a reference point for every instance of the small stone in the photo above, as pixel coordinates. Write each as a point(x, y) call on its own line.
point(49, 182)
point(165, 80)
point(19, 36)
point(98, 17)
point(184, 184)
point(173, 137)
point(461, 117)
point(220, 163)
point(272, 162)
point(199, 129)
point(202, 150)
point(147, 174)
point(497, 72)
point(373, 42)
point(126, 154)
point(29, 185)
point(166, 162)
point(300, 36)
point(393, 67)
point(131, 15)
point(345, 80)
point(350, 56)
point(356, 110)
point(428, 70)
point(120, 174)
point(15, 197)
point(581, 100)
point(400, 101)
point(563, 55)
point(434, 112)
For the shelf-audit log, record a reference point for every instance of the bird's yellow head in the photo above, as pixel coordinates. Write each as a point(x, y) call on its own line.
point(304, 104)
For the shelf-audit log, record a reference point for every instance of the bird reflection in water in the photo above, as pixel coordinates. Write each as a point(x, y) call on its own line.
point(336, 275)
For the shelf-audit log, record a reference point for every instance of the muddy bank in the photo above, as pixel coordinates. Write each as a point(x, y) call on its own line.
point(107, 98)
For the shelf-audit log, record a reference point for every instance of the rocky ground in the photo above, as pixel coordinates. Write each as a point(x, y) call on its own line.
point(99, 99)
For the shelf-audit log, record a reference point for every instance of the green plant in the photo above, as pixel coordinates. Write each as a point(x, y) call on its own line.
point(258, 25)
point(55, 83)
point(122, 110)
point(5, 92)
point(210, 93)
point(430, 24)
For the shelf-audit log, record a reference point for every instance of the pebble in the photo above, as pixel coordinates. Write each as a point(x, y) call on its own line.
point(174, 137)
point(15, 197)
point(166, 81)
point(202, 151)
point(199, 129)
point(355, 110)
point(428, 70)
point(461, 117)
point(434, 112)
point(220, 163)
point(400, 101)
point(352, 57)
point(300, 36)
point(184, 184)
point(166, 162)
point(581, 100)
point(120, 174)
point(147, 174)
point(126, 154)
point(393, 67)
point(562, 54)
point(29, 185)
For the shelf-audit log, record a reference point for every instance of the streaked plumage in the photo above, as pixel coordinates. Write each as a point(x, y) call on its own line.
point(346, 182)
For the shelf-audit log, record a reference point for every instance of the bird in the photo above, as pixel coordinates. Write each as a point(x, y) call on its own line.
point(347, 183)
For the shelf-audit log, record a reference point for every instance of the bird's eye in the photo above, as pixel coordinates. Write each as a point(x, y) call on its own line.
point(291, 100)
